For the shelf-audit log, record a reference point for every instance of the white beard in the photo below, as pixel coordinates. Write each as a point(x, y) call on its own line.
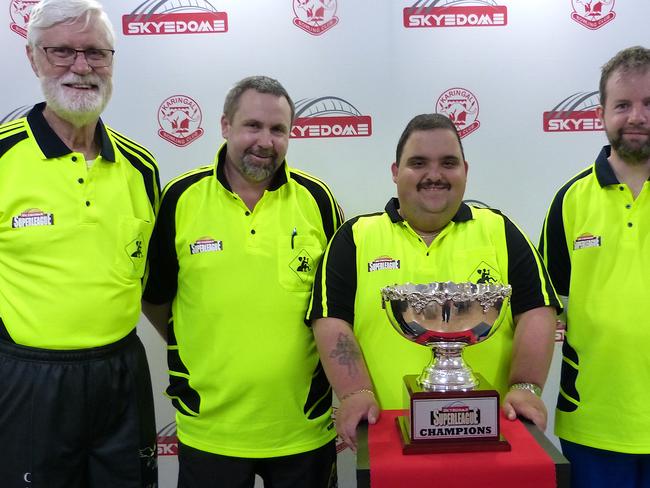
point(83, 106)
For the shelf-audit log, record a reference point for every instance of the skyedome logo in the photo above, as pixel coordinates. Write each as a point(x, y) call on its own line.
point(576, 113)
point(174, 17)
point(329, 116)
point(455, 13)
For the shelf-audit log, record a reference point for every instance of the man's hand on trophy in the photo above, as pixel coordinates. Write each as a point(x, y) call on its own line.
point(355, 407)
point(526, 403)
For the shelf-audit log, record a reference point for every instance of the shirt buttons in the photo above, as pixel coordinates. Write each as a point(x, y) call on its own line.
point(628, 206)
point(630, 224)
point(247, 213)
point(80, 180)
point(87, 203)
point(621, 188)
point(252, 231)
point(74, 158)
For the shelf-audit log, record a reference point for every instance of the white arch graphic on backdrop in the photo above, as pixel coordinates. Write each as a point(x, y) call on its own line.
point(169, 6)
point(578, 102)
point(16, 113)
point(328, 105)
point(451, 3)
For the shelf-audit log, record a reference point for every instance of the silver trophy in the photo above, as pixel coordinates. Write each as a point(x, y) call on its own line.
point(447, 317)
point(450, 407)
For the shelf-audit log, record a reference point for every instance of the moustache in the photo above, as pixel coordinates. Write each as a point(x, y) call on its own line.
point(429, 184)
point(262, 153)
point(634, 130)
point(71, 79)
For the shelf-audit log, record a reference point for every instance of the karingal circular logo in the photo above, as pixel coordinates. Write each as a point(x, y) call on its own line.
point(179, 117)
point(19, 11)
point(315, 16)
point(461, 106)
point(593, 14)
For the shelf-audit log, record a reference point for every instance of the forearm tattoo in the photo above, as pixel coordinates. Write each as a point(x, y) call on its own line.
point(348, 354)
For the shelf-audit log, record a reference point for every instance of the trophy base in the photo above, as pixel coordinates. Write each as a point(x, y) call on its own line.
point(451, 421)
point(463, 445)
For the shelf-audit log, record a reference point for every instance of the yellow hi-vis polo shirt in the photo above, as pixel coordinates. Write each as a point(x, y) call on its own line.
point(596, 241)
point(73, 241)
point(373, 251)
point(244, 371)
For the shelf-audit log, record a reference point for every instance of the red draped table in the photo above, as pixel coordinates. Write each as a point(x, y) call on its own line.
point(533, 461)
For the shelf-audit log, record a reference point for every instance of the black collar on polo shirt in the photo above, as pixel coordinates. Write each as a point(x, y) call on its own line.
point(50, 143)
point(463, 214)
point(279, 178)
point(604, 171)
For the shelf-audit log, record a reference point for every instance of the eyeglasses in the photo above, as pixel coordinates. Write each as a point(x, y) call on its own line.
point(66, 56)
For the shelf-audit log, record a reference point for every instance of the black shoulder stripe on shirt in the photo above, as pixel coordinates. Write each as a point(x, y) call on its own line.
point(338, 291)
point(136, 148)
point(527, 275)
point(8, 142)
point(149, 174)
point(328, 207)
point(553, 244)
point(177, 187)
point(11, 126)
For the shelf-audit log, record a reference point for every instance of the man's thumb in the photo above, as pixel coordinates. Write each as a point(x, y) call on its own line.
point(373, 414)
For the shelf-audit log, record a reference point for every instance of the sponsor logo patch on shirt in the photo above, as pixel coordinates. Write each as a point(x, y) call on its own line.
point(383, 262)
point(32, 217)
point(586, 240)
point(206, 244)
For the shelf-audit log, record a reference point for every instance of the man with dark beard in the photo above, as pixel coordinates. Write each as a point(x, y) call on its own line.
point(596, 242)
point(77, 206)
point(232, 262)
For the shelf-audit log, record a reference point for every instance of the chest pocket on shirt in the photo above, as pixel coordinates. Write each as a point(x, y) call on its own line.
point(297, 264)
point(132, 244)
point(478, 265)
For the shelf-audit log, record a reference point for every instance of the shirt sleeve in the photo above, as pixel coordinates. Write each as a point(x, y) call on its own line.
point(530, 281)
point(553, 245)
point(162, 280)
point(335, 284)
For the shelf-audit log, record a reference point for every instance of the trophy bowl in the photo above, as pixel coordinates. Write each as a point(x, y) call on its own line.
point(447, 317)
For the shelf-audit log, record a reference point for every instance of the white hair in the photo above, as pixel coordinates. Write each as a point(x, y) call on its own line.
point(48, 13)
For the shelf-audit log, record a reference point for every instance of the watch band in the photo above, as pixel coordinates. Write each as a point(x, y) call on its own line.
point(531, 387)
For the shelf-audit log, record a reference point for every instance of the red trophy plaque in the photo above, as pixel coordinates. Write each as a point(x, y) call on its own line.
point(451, 409)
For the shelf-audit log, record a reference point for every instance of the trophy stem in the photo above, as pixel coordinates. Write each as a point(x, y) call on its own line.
point(447, 370)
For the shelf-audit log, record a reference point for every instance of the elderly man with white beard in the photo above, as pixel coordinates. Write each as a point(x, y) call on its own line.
point(77, 207)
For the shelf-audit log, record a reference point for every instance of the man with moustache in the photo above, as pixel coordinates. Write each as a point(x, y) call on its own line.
point(232, 262)
point(596, 242)
point(428, 234)
point(77, 203)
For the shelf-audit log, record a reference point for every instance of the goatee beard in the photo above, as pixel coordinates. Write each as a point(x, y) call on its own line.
point(257, 172)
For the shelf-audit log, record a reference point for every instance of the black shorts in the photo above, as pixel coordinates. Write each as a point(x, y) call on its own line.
point(73, 419)
point(312, 469)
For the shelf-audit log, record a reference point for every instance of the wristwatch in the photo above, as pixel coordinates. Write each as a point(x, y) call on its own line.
point(532, 387)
